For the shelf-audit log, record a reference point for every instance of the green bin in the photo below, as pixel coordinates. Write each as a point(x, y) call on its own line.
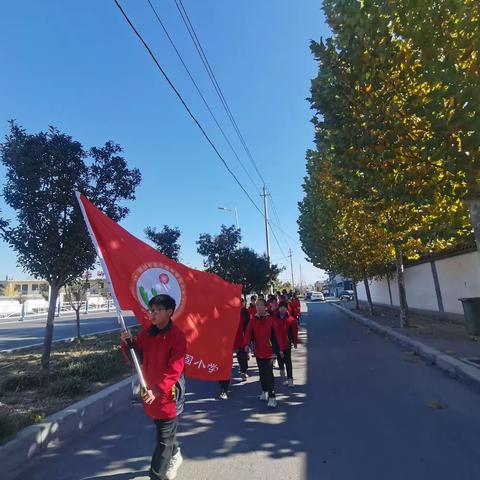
point(471, 308)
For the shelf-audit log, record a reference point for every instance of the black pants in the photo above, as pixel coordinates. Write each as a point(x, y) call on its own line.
point(242, 357)
point(224, 384)
point(167, 446)
point(286, 361)
point(265, 369)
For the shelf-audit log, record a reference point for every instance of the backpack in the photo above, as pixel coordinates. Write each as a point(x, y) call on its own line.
point(179, 393)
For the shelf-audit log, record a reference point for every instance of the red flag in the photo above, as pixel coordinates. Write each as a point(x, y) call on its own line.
point(208, 307)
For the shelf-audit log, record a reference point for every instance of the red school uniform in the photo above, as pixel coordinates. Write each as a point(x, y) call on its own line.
point(163, 357)
point(242, 327)
point(289, 329)
point(261, 330)
point(295, 307)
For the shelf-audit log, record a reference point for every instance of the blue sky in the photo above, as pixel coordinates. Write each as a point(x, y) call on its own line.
point(78, 66)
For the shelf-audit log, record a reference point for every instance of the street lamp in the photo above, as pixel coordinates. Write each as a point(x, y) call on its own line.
point(234, 211)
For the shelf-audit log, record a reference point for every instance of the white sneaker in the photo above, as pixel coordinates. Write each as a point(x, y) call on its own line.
point(173, 466)
point(223, 396)
point(244, 377)
point(290, 382)
point(263, 396)
point(272, 402)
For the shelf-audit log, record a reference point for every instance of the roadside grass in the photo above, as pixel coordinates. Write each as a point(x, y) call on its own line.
point(77, 369)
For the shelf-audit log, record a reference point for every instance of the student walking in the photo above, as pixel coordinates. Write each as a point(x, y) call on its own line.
point(162, 348)
point(295, 307)
point(242, 355)
point(288, 328)
point(252, 309)
point(268, 341)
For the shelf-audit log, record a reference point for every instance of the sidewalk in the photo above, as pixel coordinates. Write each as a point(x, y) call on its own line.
point(449, 338)
point(445, 344)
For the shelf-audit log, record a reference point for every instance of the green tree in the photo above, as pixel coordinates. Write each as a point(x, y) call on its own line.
point(219, 250)
point(224, 257)
point(253, 271)
point(165, 241)
point(373, 140)
point(338, 233)
point(76, 294)
point(445, 39)
point(43, 171)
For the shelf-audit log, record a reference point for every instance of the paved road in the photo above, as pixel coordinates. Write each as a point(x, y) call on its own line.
point(361, 416)
point(14, 334)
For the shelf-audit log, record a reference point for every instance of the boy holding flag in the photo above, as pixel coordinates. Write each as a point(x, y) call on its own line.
point(162, 348)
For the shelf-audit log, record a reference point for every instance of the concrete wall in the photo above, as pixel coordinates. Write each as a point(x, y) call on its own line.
point(458, 277)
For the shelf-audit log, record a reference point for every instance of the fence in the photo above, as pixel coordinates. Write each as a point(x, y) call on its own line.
point(15, 310)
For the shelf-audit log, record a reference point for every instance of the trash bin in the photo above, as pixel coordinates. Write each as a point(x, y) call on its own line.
point(471, 308)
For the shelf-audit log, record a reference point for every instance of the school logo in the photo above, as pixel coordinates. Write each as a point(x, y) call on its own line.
point(154, 278)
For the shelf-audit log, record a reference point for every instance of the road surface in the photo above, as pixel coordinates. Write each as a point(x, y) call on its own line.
point(15, 334)
point(360, 411)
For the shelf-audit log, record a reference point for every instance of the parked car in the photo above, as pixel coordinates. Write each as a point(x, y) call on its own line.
point(317, 296)
point(346, 295)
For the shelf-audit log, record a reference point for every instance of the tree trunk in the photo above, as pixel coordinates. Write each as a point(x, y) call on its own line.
point(77, 314)
point(357, 305)
point(401, 287)
point(474, 206)
point(367, 290)
point(389, 289)
point(47, 339)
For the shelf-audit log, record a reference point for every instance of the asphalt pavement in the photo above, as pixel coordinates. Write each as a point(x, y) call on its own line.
point(30, 332)
point(362, 409)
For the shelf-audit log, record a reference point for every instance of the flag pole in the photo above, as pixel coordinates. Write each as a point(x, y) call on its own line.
point(120, 318)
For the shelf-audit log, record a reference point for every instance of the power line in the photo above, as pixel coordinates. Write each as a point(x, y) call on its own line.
point(198, 46)
point(193, 35)
point(278, 221)
point(278, 243)
point(177, 93)
point(200, 93)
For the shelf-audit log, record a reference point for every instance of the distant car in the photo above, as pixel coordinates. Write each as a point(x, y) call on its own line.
point(317, 296)
point(346, 295)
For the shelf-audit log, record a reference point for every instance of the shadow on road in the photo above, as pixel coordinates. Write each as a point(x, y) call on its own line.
point(209, 429)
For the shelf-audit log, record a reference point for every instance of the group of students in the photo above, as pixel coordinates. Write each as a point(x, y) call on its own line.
point(268, 329)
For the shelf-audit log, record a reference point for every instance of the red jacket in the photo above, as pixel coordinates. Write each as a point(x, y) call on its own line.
point(252, 310)
point(289, 329)
point(260, 330)
point(163, 357)
point(295, 307)
point(242, 327)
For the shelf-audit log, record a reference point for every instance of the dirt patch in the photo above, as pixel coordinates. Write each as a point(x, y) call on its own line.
point(78, 369)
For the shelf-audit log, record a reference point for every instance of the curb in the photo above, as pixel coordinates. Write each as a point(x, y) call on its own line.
point(451, 365)
point(80, 417)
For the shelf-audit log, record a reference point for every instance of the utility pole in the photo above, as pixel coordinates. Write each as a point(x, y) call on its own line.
point(267, 232)
point(301, 278)
point(291, 269)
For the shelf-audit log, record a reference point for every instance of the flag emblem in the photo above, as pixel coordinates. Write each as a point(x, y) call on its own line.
point(154, 278)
